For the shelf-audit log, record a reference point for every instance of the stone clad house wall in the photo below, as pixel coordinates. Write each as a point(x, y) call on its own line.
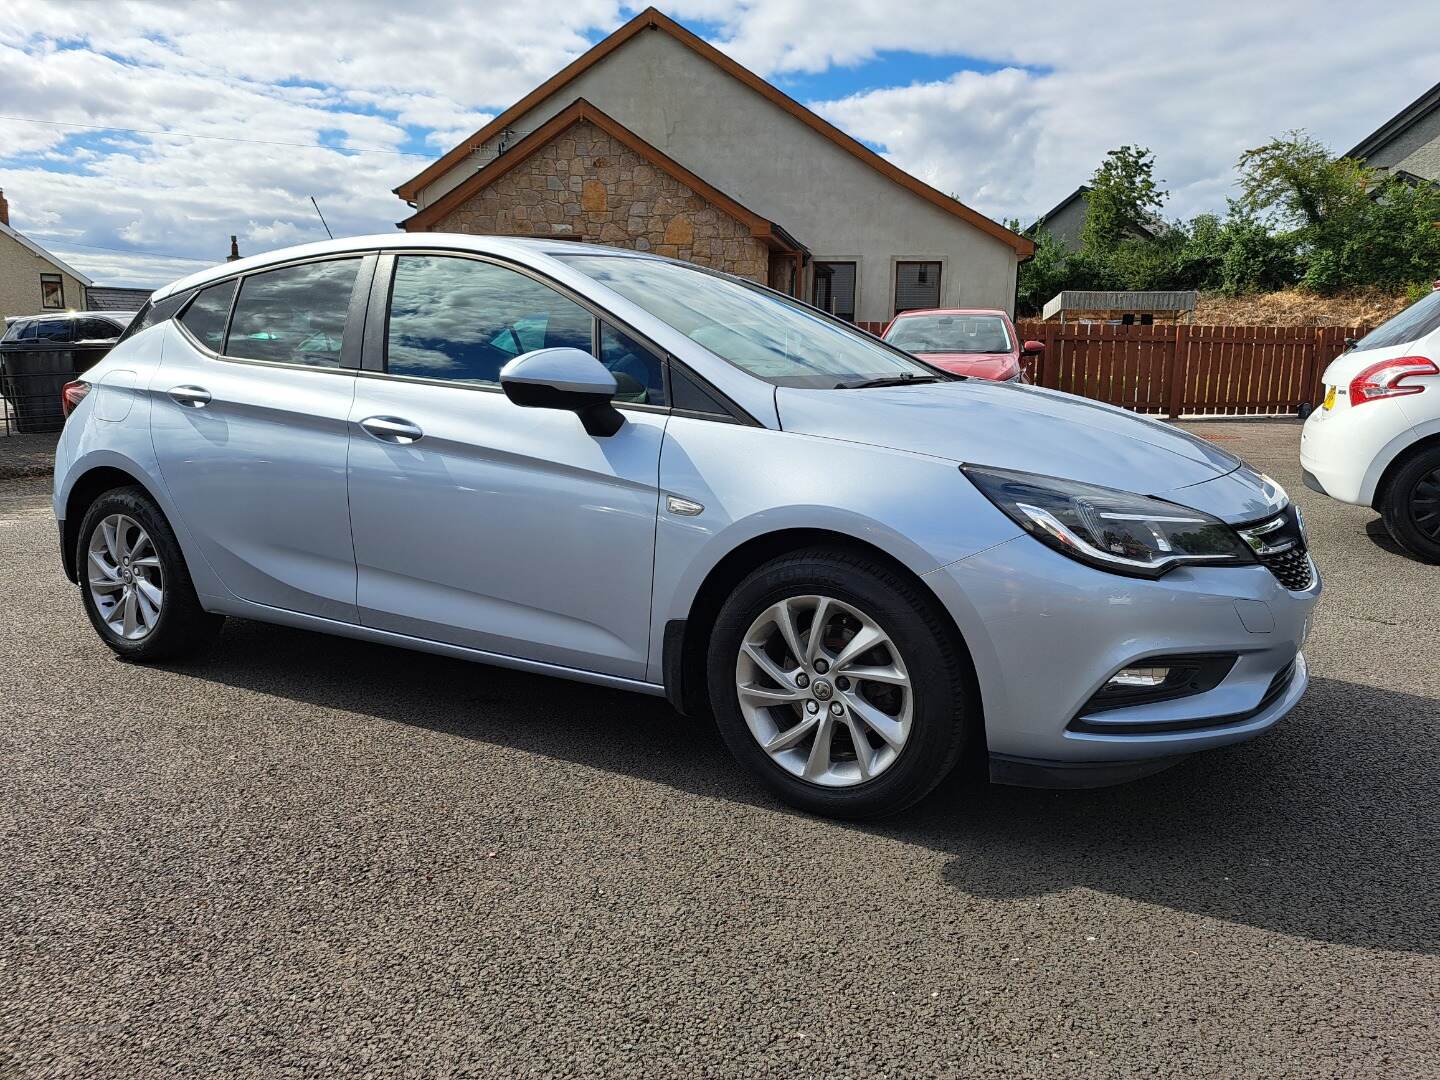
point(585, 185)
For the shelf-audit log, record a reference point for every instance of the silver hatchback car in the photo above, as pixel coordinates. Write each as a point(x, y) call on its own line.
point(630, 471)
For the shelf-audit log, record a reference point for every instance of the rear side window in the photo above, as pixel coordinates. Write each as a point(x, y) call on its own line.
point(294, 315)
point(1416, 321)
point(96, 330)
point(206, 316)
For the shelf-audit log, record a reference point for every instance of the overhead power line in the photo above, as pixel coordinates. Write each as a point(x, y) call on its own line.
point(216, 138)
point(55, 241)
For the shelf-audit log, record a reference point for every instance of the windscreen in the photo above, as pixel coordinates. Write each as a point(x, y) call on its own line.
point(950, 334)
point(769, 336)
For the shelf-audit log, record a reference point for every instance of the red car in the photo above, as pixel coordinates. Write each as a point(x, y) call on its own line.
point(968, 341)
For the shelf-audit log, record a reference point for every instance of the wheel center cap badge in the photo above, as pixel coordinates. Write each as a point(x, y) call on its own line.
point(821, 689)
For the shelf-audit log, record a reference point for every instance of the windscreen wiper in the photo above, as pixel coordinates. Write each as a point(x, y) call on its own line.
point(889, 380)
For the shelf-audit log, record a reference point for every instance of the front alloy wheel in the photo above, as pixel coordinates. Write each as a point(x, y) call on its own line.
point(824, 691)
point(838, 681)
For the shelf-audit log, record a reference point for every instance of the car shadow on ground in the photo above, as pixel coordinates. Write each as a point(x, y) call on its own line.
point(1324, 828)
point(1380, 536)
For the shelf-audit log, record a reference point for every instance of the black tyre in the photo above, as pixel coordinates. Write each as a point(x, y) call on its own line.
point(134, 583)
point(837, 682)
point(1411, 507)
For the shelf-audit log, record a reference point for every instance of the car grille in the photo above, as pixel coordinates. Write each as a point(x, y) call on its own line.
point(1279, 544)
point(1291, 568)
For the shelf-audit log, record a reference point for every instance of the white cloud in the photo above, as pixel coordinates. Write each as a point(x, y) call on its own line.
point(1062, 82)
point(1198, 83)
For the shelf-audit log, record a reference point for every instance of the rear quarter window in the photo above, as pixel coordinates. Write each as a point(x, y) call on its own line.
point(155, 312)
point(1419, 320)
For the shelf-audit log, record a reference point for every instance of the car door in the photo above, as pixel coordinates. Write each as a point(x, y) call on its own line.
point(252, 404)
point(482, 524)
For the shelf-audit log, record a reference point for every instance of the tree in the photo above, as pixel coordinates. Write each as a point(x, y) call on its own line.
point(1124, 200)
point(1042, 275)
point(1302, 217)
point(1293, 181)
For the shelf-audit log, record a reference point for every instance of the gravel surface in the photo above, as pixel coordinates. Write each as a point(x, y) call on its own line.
point(314, 857)
point(27, 456)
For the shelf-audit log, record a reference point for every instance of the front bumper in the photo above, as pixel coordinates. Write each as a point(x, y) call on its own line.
point(1046, 633)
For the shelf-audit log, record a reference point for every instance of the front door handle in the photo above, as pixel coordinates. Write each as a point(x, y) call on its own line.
point(192, 397)
point(392, 429)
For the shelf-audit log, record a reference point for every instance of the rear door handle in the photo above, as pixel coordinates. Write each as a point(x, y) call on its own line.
point(392, 429)
point(192, 397)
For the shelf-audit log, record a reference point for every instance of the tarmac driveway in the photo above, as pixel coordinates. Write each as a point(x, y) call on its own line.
point(315, 857)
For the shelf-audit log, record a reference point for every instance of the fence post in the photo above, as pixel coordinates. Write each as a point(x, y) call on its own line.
point(1312, 360)
point(1175, 375)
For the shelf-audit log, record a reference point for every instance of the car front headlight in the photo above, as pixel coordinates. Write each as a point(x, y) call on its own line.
point(1111, 530)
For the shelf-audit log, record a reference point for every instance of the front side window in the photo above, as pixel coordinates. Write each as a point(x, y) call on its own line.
point(917, 285)
point(950, 334)
point(207, 314)
point(52, 292)
point(294, 315)
point(463, 320)
point(834, 289)
point(639, 374)
point(767, 335)
point(58, 330)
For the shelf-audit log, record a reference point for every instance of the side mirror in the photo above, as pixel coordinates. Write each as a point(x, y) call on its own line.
point(1032, 348)
point(568, 379)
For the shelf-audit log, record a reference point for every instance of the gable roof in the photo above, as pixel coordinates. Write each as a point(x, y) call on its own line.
point(115, 298)
point(1417, 110)
point(35, 249)
point(1061, 205)
point(578, 111)
point(1151, 225)
point(652, 19)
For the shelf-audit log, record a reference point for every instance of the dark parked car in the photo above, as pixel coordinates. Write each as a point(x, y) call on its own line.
point(39, 354)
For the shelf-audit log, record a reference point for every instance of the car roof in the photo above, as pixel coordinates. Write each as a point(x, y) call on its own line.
point(950, 311)
point(486, 245)
point(113, 316)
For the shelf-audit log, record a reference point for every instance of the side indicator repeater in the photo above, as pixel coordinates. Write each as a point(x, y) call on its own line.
point(683, 507)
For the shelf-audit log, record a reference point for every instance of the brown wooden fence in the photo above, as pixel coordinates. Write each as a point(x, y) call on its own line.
point(1182, 369)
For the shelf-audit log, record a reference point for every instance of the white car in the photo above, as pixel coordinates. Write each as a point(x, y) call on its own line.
point(1376, 439)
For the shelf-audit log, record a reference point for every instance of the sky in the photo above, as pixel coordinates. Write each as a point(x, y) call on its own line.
point(1007, 105)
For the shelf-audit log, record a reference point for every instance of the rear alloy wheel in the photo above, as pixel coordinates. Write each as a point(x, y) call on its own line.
point(124, 576)
point(1411, 507)
point(837, 682)
point(134, 581)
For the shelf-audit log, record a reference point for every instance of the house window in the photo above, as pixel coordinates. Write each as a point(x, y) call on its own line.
point(52, 292)
point(917, 285)
point(834, 289)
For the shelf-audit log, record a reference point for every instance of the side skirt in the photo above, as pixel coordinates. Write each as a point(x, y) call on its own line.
point(244, 609)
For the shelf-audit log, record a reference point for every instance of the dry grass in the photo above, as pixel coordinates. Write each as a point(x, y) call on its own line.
point(1292, 307)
